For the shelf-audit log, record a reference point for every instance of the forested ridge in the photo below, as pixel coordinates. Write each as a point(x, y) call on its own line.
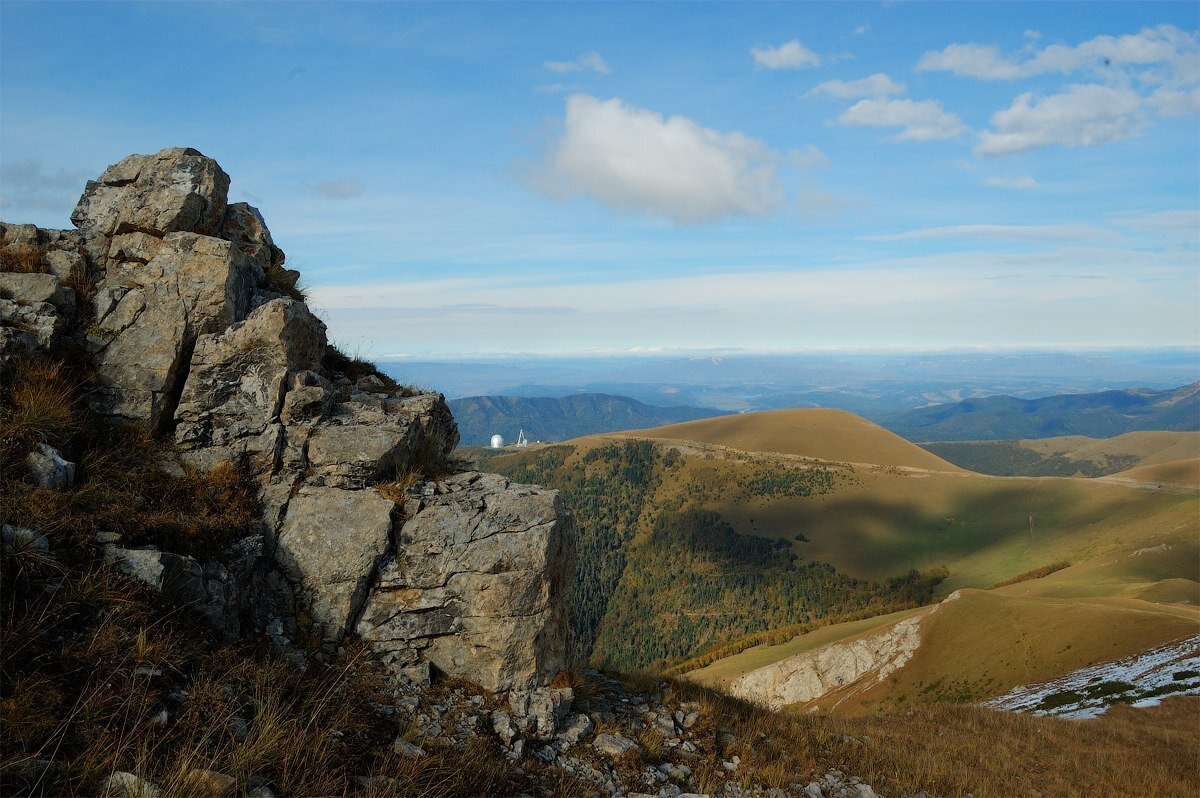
point(661, 578)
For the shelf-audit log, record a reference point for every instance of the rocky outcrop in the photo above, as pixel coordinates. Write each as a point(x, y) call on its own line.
point(805, 677)
point(467, 590)
point(192, 330)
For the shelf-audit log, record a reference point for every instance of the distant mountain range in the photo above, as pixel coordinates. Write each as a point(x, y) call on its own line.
point(562, 418)
point(1096, 415)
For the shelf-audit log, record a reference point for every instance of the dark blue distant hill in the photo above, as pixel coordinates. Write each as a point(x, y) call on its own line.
point(1097, 415)
point(557, 419)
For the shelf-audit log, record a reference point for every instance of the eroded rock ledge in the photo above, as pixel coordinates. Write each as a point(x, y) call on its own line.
point(193, 331)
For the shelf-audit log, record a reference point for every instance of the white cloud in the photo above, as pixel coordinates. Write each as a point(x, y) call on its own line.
point(1175, 102)
point(808, 157)
point(1002, 232)
point(339, 189)
point(877, 85)
point(1012, 181)
point(792, 55)
point(631, 160)
point(1162, 45)
point(1081, 116)
point(588, 62)
point(923, 120)
point(1185, 223)
point(861, 29)
point(971, 61)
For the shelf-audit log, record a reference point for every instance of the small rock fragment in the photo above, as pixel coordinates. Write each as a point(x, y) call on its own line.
point(126, 785)
point(406, 749)
point(211, 783)
point(614, 745)
point(48, 468)
point(18, 537)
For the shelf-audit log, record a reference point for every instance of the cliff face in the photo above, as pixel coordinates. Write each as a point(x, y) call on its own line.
point(192, 328)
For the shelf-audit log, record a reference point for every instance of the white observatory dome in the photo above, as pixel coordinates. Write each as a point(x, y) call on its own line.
point(497, 441)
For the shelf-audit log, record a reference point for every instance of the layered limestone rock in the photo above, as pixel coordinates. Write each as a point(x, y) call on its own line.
point(466, 589)
point(191, 334)
point(806, 677)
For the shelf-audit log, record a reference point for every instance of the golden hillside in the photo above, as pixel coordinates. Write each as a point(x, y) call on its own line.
point(818, 433)
point(1150, 447)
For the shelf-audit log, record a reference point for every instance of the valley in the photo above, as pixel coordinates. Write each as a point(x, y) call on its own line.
point(828, 564)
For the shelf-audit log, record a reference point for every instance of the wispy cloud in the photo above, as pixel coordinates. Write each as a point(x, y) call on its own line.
point(923, 120)
point(1001, 232)
point(808, 157)
point(877, 85)
point(1011, 181)
point(791, 55)
point(1161, 45)
point(632, 159)
point(588, 62)
point(1184, 223)
point(1055, 293)
point(339, 189)
point(1081, 116)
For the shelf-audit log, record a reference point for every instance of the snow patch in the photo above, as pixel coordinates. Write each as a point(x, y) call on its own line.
point(1141, 680)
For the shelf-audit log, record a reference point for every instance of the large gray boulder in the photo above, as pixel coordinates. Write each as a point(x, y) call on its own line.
point(478, 584)
point(237, 380)
point(149, 316)
point(331, 543)
point(35, 312)
point(363, 443)
point(176, 189)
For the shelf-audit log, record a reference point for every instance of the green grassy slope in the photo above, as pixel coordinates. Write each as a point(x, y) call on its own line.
point(757, 541)
point(1071, 455)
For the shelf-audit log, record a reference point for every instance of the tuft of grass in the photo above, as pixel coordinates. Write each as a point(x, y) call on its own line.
point(582, 686)
point(39, 403)
point(285, 281)
point(22, 259)
point(355, 367)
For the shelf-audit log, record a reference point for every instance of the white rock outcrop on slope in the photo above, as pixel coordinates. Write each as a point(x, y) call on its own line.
point(808, 676)
point(194, 331)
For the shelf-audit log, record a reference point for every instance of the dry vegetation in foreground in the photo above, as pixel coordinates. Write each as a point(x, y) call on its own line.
point(98, 675)
point(961, 750)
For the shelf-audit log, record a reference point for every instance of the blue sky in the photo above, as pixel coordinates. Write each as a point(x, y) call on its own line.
point(564, 178)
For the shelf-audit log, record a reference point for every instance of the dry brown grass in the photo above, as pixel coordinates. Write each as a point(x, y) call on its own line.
point(286, 281)
point(23, 259)
point(38, 403)
point(122, 489)
point(957, 750)
point(337, 361)
point(953, 750)
point(89, 658)
point(582, 686)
